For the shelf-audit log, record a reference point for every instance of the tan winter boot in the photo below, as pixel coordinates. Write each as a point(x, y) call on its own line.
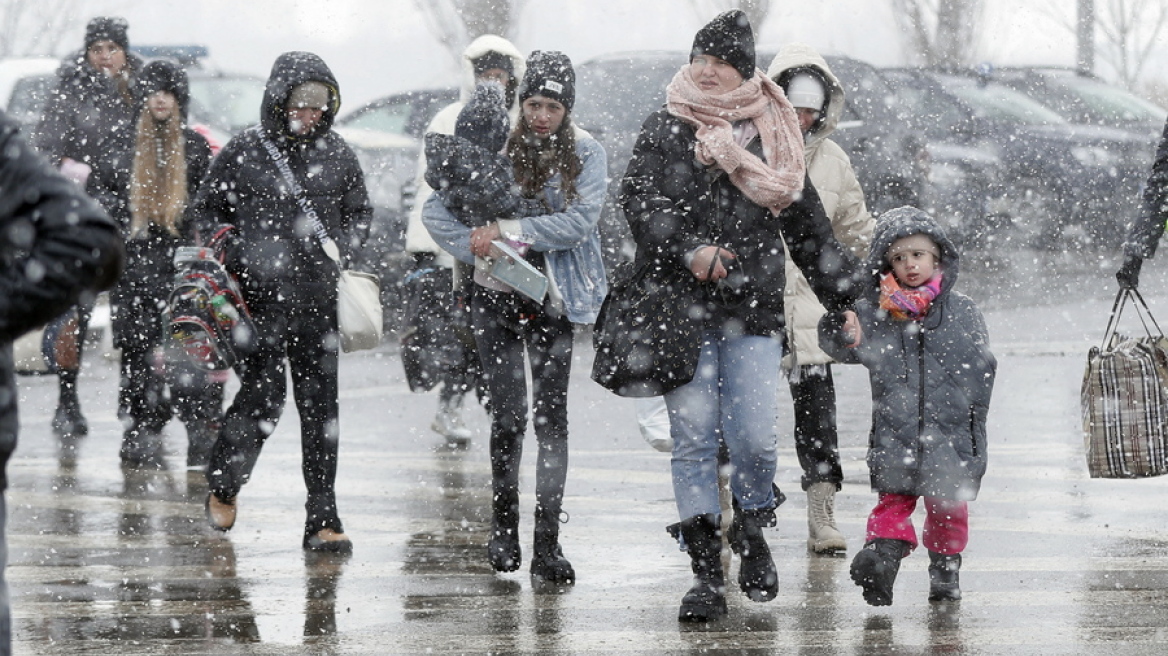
point(823, 536)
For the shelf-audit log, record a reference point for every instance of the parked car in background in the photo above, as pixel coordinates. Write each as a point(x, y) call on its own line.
point(25, 85)
point(1083, 98)
point(386, 135)
point(1062, 184)
point(615, 93)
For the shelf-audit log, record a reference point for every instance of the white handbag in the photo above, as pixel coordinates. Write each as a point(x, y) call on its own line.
point(359, 317)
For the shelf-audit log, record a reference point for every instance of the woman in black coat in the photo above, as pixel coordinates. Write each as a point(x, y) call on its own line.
point(147, 190)
point(716, 182)
point(86, 127)
point(288, 281)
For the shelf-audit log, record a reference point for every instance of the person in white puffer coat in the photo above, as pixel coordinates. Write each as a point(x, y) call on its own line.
point(818, 98)
point(441, 300)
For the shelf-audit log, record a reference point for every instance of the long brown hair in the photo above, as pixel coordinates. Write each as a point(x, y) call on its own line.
point(536, 160)
point(158, 177)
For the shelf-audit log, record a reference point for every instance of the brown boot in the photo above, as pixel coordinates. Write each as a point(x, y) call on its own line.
point(327, 539)
point(220, 512)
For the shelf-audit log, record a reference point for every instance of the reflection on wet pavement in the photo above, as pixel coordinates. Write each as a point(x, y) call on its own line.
point(106, 561)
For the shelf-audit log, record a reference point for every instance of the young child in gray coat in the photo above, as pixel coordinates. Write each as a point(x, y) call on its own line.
point(926, 349)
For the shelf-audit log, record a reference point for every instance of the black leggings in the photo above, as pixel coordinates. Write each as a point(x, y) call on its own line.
point(505, 325)
point(305, 334)
point(816, 439)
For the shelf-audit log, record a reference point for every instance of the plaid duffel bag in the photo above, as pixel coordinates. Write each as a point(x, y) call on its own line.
point(1125, 401)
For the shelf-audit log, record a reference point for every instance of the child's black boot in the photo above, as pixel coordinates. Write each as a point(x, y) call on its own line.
point(944, 584)
point(875, 567)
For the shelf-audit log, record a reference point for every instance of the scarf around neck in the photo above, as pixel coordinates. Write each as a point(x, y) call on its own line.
point(908, 303)
point(773, 183)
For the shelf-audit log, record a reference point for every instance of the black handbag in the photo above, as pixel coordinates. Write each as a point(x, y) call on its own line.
point(647, 339)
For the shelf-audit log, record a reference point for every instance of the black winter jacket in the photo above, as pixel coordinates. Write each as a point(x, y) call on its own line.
point(931, 379)
point(87, 118)
point(149, 275)
point(674, 204)
point(55, 244)
point(276, 250)
point(1146, 229)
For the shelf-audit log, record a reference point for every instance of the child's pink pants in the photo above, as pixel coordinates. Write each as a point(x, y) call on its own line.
point(946, 522)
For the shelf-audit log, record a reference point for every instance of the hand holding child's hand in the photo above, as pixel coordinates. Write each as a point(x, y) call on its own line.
point(851, 330)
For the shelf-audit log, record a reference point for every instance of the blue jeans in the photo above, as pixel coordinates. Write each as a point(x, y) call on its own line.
point(734, 395)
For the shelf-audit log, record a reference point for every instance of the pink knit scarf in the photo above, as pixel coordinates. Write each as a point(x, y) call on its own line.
point(774, 183)
point(908, 303)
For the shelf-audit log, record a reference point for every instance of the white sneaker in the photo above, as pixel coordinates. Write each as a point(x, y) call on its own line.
point(448, 422)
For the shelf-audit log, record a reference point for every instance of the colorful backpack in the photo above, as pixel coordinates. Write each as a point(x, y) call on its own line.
point(206, 313)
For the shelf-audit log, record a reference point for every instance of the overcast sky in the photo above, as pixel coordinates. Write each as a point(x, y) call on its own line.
point(377, 47)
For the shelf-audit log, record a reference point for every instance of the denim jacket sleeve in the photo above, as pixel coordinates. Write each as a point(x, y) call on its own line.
point(452, 235)
point(576, 222)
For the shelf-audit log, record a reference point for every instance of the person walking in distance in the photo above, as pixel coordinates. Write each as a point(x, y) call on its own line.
point(818, 99)
point(270, 181)
point(927, 352)
point(88, 125)
point(148, 196)
point(439, 323)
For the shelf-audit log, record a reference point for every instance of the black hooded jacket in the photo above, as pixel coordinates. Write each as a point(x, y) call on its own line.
point(276, 249)
point(55, 243)
point(931, 379)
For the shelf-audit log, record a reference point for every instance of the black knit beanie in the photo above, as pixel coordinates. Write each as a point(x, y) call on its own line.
point(107, 28)
point(491, 60)
point(550, 74)
point(166, 75)
point(730, 38)
point(484, 121)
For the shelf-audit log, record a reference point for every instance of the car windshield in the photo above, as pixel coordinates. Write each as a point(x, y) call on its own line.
point(997, 102)
point(230, 103)
point(390, 117)
point(617, 95)
point(1113, 104)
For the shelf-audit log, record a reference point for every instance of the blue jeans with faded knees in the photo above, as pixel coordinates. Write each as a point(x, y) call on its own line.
point(734, 395)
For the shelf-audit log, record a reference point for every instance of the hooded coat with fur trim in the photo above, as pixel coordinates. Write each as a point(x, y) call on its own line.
point(276, 251)
point(931, 379)
point(831, 172)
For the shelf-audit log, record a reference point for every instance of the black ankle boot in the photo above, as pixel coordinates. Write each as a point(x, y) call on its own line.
point(706, 600)
point(68, 420)
point(757, 576)
point(503, 550)
point(944, 583)
point(548, 562)
point(875, 567)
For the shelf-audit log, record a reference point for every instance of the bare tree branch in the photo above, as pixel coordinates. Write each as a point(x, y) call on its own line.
point(455, 23)
point(756, 10)
point(36, 27)
point(940, 33)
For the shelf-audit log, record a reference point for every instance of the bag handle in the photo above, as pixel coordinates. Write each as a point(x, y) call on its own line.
point(1142, 311)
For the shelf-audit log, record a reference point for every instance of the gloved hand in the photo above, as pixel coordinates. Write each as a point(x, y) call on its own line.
point(1129, 274)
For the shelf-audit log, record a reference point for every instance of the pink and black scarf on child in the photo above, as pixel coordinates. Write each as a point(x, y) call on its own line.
point(908, 303)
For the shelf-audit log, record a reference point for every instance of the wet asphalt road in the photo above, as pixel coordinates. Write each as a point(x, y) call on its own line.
point(105, 561)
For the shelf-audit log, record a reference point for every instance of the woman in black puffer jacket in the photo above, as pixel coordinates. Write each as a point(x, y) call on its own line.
point(147, 189)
